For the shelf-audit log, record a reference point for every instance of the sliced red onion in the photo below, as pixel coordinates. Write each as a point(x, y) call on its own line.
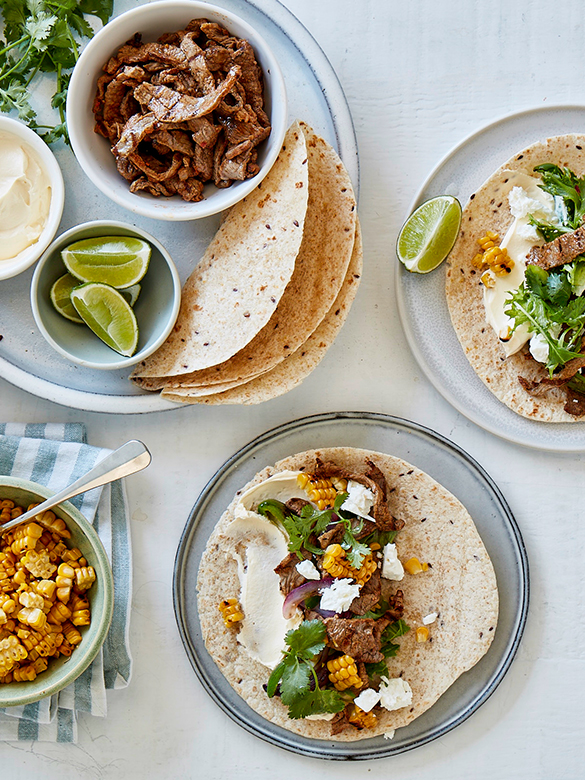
point(303, 592)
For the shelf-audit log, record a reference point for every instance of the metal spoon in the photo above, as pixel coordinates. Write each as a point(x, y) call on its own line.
point(127, 459)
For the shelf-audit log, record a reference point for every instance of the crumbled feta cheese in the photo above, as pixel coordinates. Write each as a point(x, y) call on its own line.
point(389, 734)
point(430, 618)
point(528, 231)
point(359, 500)
point(521, 205)
point(339, 596)
point(367, 699)
point(395, 693)
point(392, 569)
point(308, 570)
point(539, 348)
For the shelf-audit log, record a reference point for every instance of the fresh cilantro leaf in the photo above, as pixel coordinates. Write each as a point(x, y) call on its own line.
point(16, 98)
point(101, 8)
point(356, 551)
point(315, 702)
point(308, 639)
point(558, 289)
point(39, 28)
point(377, 670)
point(274, 679)
point(298, 529)
point(388, 647)
point(394, 630)
point(378, 611)
point(295, 678)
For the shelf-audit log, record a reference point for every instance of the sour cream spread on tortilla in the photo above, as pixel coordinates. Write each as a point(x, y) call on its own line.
point(525, 198)
point(25, 196)
point(263, 546)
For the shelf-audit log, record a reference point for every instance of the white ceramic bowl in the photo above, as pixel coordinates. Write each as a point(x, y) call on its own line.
point(156, 309)
point(93, 151)
point(47, 161)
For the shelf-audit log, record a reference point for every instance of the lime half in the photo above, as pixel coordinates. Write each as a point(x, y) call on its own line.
point(110, 317)
point(61, 297)
point(429, 233)
point(120, 261)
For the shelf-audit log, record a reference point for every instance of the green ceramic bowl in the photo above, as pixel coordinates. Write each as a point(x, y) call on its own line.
point(62, 671)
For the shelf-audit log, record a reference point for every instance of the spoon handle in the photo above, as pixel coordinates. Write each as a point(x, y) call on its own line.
point(127, 459)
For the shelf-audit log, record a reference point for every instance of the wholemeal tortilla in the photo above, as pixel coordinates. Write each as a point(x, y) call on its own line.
point(488, 209)
point(292, 371)
point(460, 586)
point(235, 288)
point(320, 269)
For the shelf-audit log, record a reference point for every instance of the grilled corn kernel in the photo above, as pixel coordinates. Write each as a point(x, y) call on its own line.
point(336, 564)
point(11, 651)
point(39, 564)
point(84, 577)
point(231, 611)
point(488, 279)
point(71, 634)
point(414, 566)
point(361, 719)
point(343, 673)
point(59, 613)
point(422, 634)
point(302, 480)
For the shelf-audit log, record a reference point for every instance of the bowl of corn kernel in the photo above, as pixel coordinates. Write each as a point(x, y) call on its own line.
point(56, 595)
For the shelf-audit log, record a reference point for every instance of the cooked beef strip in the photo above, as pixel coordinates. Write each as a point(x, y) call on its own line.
point(380, 511)
point(560, 251)
point(333, 535)
point(363, 675)
point(173, 140)
point(155, 188)
point(251, 78)
point(575, 404)
point(369, 595)
point(198, 64)
point(205, 133)
point(218, 58)
point(296, 505)
point(215, 32)
point(218, 151)
point(395, 606)
point(135, 130)
point(357, 637)
point(149, 165)
point(235, 169)
point(126, 169)
point(147, 52)
point(203, 162)
point(340, 723)
point(168, 105)
point(289, 576)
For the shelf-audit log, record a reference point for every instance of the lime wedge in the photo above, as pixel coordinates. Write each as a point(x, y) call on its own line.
point(131, 294)
point(110, 317)
point(120, 261)
point(61, 300)
point(429, 233)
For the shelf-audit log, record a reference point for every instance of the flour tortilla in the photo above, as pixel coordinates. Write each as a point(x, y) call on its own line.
point(460, 586)
point(488, 209)
point(236, 287)
point(320, 269)
point(292, 371)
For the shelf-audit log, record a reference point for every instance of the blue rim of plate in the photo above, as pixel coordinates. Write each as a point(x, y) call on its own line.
point(241, 467)
point(311, 52)
point(494, 417)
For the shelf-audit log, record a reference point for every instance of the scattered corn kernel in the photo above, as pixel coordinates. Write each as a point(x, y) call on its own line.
point(361, 719)
point(344, 673)
point(231, 611)
point(422, 634)
point(414, 566)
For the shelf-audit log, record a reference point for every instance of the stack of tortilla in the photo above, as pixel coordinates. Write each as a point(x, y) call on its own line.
point(273, 288)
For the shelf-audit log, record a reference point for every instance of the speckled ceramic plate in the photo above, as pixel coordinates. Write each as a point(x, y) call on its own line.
point(26, 360)
point(443, 461)
point(421, 299)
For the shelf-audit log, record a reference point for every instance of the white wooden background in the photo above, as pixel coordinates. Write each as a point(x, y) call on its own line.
point(419, 75)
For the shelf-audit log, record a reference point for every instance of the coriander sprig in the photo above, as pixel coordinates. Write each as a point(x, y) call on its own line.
point(43, 36)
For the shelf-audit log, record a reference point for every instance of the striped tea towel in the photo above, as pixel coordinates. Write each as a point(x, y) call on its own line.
point(56, 455)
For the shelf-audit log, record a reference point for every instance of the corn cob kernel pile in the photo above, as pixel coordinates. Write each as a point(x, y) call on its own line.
point(43, 601)
point(492, 260)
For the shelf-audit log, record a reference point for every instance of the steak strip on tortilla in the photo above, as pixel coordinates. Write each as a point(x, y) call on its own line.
point(456, 595)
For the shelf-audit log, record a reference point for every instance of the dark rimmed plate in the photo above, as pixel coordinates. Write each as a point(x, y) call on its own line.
point(446, 463)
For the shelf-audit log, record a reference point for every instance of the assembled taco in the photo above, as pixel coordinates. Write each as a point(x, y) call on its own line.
point(516, 280)
point(354, 590)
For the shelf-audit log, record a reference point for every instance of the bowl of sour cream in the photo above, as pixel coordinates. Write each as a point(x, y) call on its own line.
point(31, 197)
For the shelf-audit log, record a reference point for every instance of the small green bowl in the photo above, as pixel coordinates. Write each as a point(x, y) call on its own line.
point(62, 671)
point(156, 310)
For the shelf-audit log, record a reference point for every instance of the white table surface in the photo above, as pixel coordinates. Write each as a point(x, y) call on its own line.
point(419, 75)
